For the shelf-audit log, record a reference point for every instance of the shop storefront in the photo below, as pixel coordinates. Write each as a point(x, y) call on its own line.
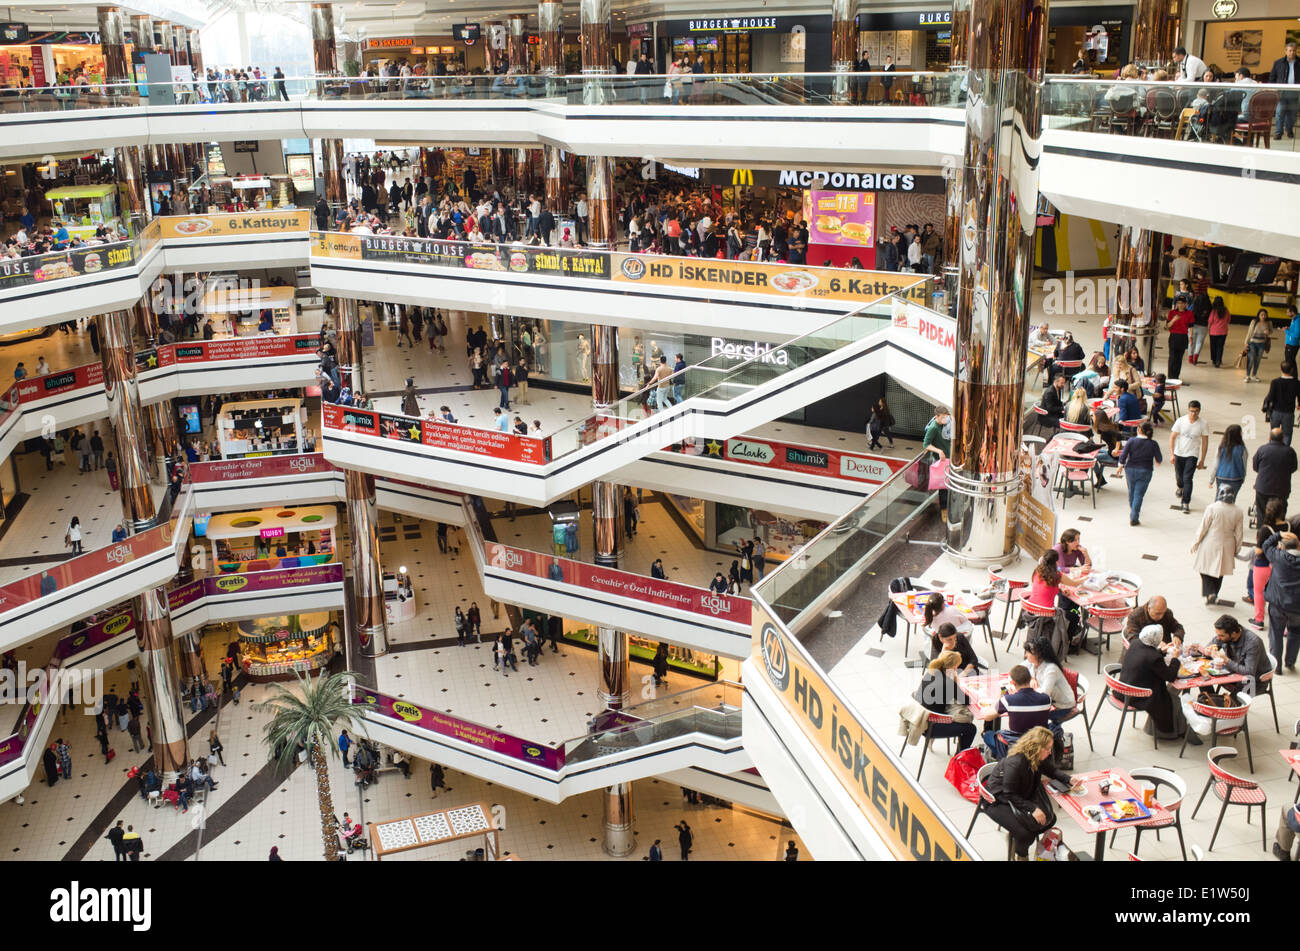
point(85, 208)
point(1101, 34)
point(916, 39)
point(561, 350)
point(241, 311)
point(721, 527)
point(1253, 43)
point(49, 57)
point(256, 428)
point(749, 43)
point(278, 648)
point(435, 53)
point(1246, 280)
point(268, 539)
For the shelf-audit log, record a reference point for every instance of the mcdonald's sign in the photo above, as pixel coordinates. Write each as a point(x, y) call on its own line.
point(742, 176)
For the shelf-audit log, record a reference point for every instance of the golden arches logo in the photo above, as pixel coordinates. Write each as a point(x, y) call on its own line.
point(742, 176)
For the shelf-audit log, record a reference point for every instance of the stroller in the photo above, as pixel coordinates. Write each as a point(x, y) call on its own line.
point(351, 840)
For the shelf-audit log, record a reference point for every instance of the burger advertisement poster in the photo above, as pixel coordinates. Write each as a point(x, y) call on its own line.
point(841, 226)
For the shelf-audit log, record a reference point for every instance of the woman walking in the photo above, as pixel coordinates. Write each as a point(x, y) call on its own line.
point(1219, 322)
point(215, 748)
point(1217, 542)
point(73, 537)
point(461, 626)
point(1259, 337)
point(1230, 464)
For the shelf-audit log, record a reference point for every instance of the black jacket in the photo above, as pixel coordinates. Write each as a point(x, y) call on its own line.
point(1274, 462)
point(1014, 781)
point(1280, 71)
point(643, 68)
point(546, 221)
point(1283, 587)
point(1146, 666)
point(1052, 403)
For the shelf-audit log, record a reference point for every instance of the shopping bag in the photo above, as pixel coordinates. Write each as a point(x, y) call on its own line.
point(918, 476)
point(962, 772)
point(939, 475)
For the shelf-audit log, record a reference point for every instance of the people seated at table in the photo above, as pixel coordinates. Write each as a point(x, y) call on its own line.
point(1068, 350)
point(1287, 830)
point(1126, 371)
point(939, 693)
point(1093, 377)
point(1078, 411)
point(1021, 804)
point(1155, 611)
point(1023, 706)
point(1053, 401)
point(1152, 663)
point(1045, 586)
point(1041, 337)
point(1049, 678)
point(947, 638)
point(938, 611)
point(1130, 407)
point(1240, 651)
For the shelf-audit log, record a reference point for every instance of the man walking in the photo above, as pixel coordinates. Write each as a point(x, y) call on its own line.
point(132, 844)
point(1282, 399)
point(114, 836)
point(133, 729)
point(1282, 594)
point(1274, 464)
point(1189, 440)
point(684, 839)
point(1286, 72)
point(345, 743)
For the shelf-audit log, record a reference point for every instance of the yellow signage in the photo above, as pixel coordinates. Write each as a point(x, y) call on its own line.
point(888, 798)
point(272, 221)
point(335, 244)
point(777, 280)
point(742, 176)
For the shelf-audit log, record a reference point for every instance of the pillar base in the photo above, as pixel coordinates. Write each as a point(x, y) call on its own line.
point(620, 841)
point(981, 519)
point(373, 640)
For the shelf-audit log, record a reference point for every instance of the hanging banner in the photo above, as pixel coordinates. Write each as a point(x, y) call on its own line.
point(74, 262)
point(667, 594)
point(95, 634)
point(32, 389)
point(504, 744)
point(483, 442)
point(265, 467)
point(260, 222)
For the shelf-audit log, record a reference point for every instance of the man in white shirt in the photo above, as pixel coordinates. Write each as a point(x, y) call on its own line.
point(1190, 67)
point(580, 210)
point(1189, 440)
point(42, 368)
point(1041, 336)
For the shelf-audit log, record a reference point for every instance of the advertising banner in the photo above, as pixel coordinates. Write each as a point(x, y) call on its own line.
point(273, 221)
point(777, 280)
point(185, 594)
point(842, 218)
point(908, 823)
point(668, 594)
point(484, 442)
point(74, 262)
point(88, 637)
point(35, 388)
point(265, 467)
point(479, 256)
point(861, 467)
point(237, 348)
point(458, 729)
point(273, 580)
point(926, 331)
point(83, 567)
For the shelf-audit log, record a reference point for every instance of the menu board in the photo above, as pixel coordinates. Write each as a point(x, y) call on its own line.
point(301, 172)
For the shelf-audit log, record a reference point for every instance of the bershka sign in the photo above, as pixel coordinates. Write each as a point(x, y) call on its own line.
point(763, 352)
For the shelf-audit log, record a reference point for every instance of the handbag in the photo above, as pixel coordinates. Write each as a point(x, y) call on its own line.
point(962, 772)
point(939, 474)
point(918, 476)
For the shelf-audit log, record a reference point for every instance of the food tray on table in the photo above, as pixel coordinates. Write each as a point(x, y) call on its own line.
point(1125, 810)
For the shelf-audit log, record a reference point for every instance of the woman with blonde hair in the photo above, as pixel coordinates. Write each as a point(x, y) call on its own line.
point(1077, 410)
point(939, 693)
point(1020, 803)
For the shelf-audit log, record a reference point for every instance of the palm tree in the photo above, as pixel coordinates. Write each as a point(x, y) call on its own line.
point(313, 717)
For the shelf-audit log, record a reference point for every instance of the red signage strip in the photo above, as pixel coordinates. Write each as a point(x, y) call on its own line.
point(263, 467)
point(811, 460)
point(667, 594)
point(529, 450)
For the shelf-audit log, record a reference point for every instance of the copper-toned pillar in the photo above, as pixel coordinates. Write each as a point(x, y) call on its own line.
point(844, 48)
point(523, 171)
point(196, 54)
point(164, 45)
point(128, 163)
point(368, 616)
point(153, 638)
point(164, 446)
point(517, 43)
point(1133, 310)
point(959, 50)
point(180, 168)
point(1000, 200)
point(597, 52)
point(336, 187)
point(1157, 28)
point(181, 44)
point(550, 31)
point(142, 32)
point(112, 39)
point(949, 268)
point(324, 54)
point(554, 179)
point(117, 354)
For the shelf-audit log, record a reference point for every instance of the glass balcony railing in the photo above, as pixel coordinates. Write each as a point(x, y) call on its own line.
point(1226, 113)
point(718, 378)
point(723, 89)
point(713, 709)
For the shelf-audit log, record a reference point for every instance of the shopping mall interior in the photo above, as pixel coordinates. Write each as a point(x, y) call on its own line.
point(364, 364)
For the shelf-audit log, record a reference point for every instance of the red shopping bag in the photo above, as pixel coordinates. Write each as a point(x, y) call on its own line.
point(961, 772)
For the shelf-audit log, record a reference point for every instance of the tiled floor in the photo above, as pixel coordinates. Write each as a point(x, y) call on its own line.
point(1157, 551)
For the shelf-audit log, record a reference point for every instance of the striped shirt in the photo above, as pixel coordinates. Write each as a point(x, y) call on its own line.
point(1025, 710)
